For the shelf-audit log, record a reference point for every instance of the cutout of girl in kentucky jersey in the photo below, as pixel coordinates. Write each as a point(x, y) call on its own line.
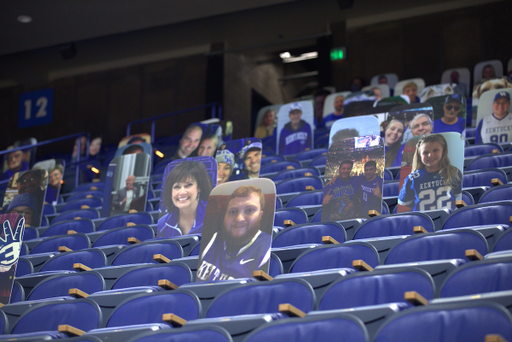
point(187, 185)
point(434, 182)
point(295, 128)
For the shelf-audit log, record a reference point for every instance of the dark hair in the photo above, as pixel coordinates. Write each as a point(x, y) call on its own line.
point(347, 161)
point(187, 169)
point(370, 163)
point(132, 149)
point(246, 190)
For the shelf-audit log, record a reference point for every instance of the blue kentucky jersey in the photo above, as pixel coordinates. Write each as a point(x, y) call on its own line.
point(294, 141)
point(368, 200)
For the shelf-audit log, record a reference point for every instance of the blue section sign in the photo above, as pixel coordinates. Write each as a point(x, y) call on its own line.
point(36, 108)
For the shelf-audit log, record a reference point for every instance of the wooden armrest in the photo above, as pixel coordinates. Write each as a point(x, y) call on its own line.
point(362, 266)
point(167, 284)
point(96, 180)
point(84, 207)
point(70, 330)
point(77, 218)
point(308, 174)
point(63, 249)
point(419, 230)
point(373, 213)
point(70, 232)
point(94, 188)
point(329, 240)
point(260, 275)
point(415, 298)
point(310, 188)
point(273, 161)
point(496, 182)
point(291, 310)
point(460, 204)
point(307, 149)
point(88, 196)
point(494, 338)
point(77, 293)
point(473, 255)
point(1, 304)
point(132, 211)
point(289, 167)
point(81, 267)
point(174, 320)
point(288, 223)
point(161, 259)
point(132, 240)
point(129, 224)
point(495, 151)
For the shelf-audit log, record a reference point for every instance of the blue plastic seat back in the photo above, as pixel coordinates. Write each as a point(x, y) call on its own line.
point(388, 175)
point(178, 274)
point(339, 327)
point(195, 249)
point(297, 215)
point(479, 214)
point(83, 314)
point(119, 236)
point(311, 154)
point(499, 193)
point(48, 209)
point(149, 308)
point(51, 244)
point(60, 228)
point(24, 267)
point(391, 225)
point(89, 187)
point(309, 233)
point(90, 202)
point(276, 266)
point(437, 246)
point(319, 161)
point(478, 150)
point(30, 233)
point(335, 256)
point(143, 252)
point(299, 184)
point(59, 285)
point(317, 217)
point(123, 219)
point(17, 295)
point(467, 198)
point(90, 213)
point(306, 198)
point(490, 160)
point(504, 242)
point(84, 194)
point(93, 258)
point(271, 159)
point(204, 333)
point(254, 298)
point(479, 277)
point(290, 174)
point(279, 166)
point(378, 287)
point(483, 177)
point(443, 323)
point(391, 189)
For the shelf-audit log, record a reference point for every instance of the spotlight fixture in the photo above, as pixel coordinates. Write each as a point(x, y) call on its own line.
point(24, 19)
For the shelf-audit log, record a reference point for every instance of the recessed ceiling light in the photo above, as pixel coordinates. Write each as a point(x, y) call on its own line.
point(25, 19)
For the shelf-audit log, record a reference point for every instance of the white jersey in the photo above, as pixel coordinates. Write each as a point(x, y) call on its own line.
point(496, 131)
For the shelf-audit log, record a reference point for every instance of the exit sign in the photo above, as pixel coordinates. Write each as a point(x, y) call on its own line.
point(338, 54)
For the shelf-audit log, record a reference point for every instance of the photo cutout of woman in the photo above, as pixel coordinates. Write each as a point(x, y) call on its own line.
point(393, 142)
point(225, 160)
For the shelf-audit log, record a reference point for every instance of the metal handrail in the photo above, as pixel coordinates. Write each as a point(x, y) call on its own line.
point(51, 141)
point(216, 112)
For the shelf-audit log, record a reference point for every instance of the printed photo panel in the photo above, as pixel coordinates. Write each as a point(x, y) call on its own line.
point(357, 103)
point(460, 77)
point(353, 178)
point(494, 121)
point(186, 185)
point(227, 130)
point(393, 100)
point(15, 161)
point(354, 127)
point(438, 90)
point(126, 185)
point(400, 86)
point(135, 139)
point(449, 113)
point(380, 91)
point(55, 169)
point(487, 70)
point(13, 227)
point(333, 108)
point(266, 121)
point(295, 125)
point(390, 79)
point(431, 173)
point(25, 195)
point(239, 159)
point(237, 232)
point(134, 149)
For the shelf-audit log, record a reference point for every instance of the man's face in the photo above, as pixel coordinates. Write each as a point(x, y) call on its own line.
point(206, 148)
point(295, 116)
point(190, 141)
point(252, 161)
point(129, 181)
point(500, 107)
point(268, 119)
point(411, 92)
point(452, 109)
point(421, 126)
point(369, 172)
point(488, 73)
point(25, 211)
point(242, 219)
point(338, 103)
point(29, 182)
point(345, 170)
point(14, 160)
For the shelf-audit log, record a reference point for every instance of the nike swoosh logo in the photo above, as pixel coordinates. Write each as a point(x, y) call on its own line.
point(245, 261)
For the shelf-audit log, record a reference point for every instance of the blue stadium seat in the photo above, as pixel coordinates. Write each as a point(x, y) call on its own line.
point(119, 236)
point(483, 177)
point(279, 166)
point(310, 154)
point(490, 160)
point(504, 242)
point(83, 225)
point(290, 174)
point(92, 258)
point(387, 175)
point(74, 242)
point(299, 184)
point(479, 214)
point(60, 284)
point(296, 215)
point(271, 159)
point(90, 213)
point(93, 202)
point(17, 294)
point(481, 149)
point(391, 189)
point(395, 224)
point(210, 333)
point(89, 187)
point(122, 220)
point(497, 194)
point(84, 194)
point(467, 198)
point(306, 198)
point(309, 233)
point(144, 252)
point(149, 275)
point(319, 162)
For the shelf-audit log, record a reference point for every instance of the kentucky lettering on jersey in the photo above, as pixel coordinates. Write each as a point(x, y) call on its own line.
point(492, 130)
point(294, 141)
point(300, 136)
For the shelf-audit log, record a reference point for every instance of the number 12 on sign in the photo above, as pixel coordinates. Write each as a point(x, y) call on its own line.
point(35, 108)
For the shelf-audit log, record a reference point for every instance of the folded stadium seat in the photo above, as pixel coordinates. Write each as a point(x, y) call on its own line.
point(322, 141)
point(299, 184)
point(60, 284)
point(479, 214)
point(75, 242)
point(497, 194)
point(319, 162)
point(93, 202)
point(319, 327)
point(210, 333)
point(501, 160)
point(148, 275)
point(89, 187)
point(279, 203)
point(467, 197)
point(30, 233)
point(309, 233)
point(296, 215)
point(28, 264)
point(274, 168)
point(120, 236)
point(391, 189)
point(288, 254)
point(91, 258)
point(90, 213)
point(83, 225)
point(306, 198)
point(276, 266)
point(466, 321)
point(143, 252)
point(122, 220)
point(394, 224)
point(294, 173)
point(305, 157)
point(387, 175)
point(48, 209)
point(473, 151)
point(195, 249)
point(335, 256)
point(143, 312)
point(85, 194)
point(44, 221)
point(271, 159)
point(503, 242)
point(17, 293)
point(481, 276)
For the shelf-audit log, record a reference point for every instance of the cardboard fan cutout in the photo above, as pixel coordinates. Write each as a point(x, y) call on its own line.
point(295, 125)
point(354, 127)
point(55, 169)
point(239, 159)
point(11, 235)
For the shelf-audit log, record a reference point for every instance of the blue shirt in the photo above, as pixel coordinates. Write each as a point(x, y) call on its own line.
point(459, 126)
point(398, 158)
point(368, 200)
point(168, 224)
point(342, 205)
point(294, 141)
point(329, 120)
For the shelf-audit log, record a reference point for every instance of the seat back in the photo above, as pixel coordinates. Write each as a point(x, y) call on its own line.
point(499, 193)
point(319, 161)
point(290, 174)
point(90, 213)
point(84, 194)
point(210, 333)
point(271, 159)
point(149, 275)
point(75, 242)
point(479, 214)
point(306, 198)
point(122, 220)
point(490, 160)
point(391, 225)
point(299, 184)
point(481, 149)
point(59, 285)
point(504, 242)
point(93, 258)
point(391, 189)
point(144, 252)
point(279, 166)
point(83, 225)
point(119, 236)
point(297, 215)
point(309, 233)
point(90, 202)
point(311, 154)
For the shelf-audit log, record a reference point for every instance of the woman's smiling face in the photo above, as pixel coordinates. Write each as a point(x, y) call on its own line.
point(185, 193)
point(393, 133)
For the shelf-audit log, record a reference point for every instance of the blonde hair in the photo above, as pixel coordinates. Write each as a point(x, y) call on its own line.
point(448, 172)
point(410, 85)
